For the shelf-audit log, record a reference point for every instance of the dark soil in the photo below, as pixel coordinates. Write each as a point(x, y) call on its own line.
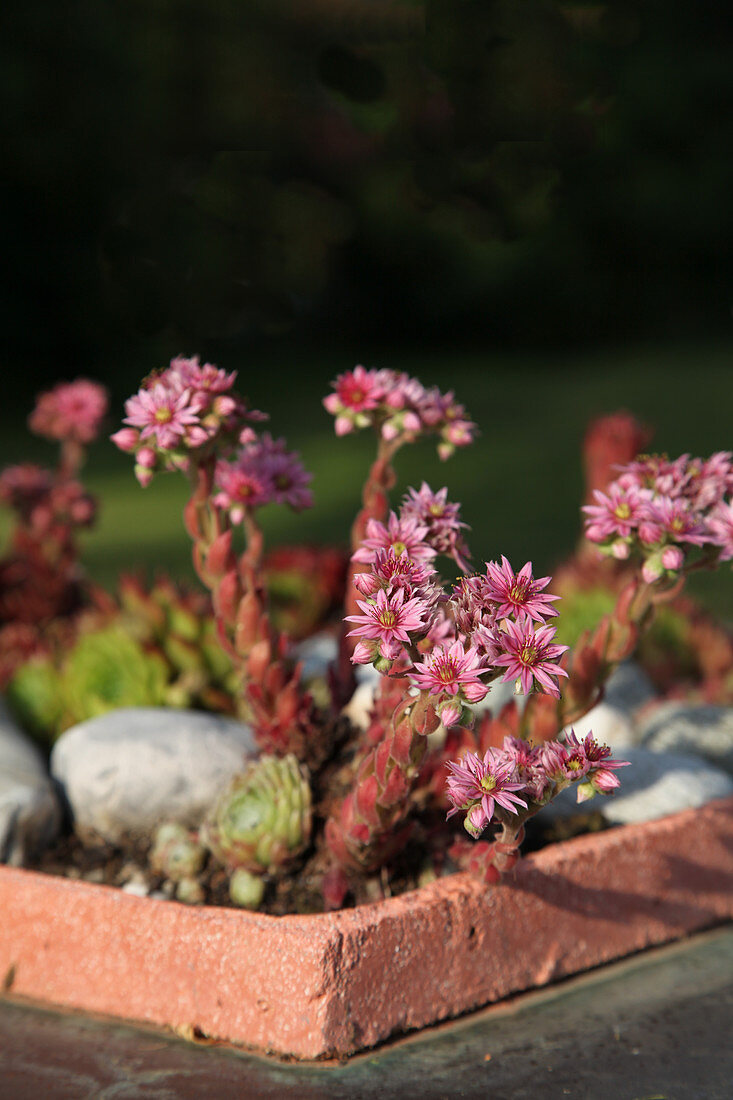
point(126, 866)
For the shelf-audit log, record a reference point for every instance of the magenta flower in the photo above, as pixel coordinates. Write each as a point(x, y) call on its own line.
point(478, 785)
point(450, 670)
point(519, 593)
point(401, 536)
point(529, 655)
point(388, 619)
point(71, 411)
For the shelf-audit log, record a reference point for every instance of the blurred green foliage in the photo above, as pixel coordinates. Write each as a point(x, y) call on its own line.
point(216, 170)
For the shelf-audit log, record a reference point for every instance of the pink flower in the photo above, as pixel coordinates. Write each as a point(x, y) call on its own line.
point(679, 521)
point(207, 378)
point(441, 518)
point(23, 487)
point(162, 414)
point(527, 767)
point(71, 411)
point(477, 786)
point(388, 619)
point(473, 608)
point(401, 536)
point(241, 486)
point(529, 655)
point(616, 513)
point(126, 439)
point(398, 407)
point(720, 525)
point(390, 570)
point(450, 670)
point(584, 760)
point(672, 558)
point(519, 593)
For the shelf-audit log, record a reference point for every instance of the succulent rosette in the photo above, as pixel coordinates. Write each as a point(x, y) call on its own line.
point(262, 822)
point(176, 852)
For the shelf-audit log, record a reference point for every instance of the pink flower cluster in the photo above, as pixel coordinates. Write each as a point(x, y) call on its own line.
point(70, 412)
point(185, 408)
point(520, 778)
point(663, 509)
point(399, 407)
point(42, 503)
point(262, 472)
point(490, 625)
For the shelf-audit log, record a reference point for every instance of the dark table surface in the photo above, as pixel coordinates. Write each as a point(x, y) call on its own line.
point(655, 1027)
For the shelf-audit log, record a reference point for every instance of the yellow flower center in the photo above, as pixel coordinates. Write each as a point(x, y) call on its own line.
point(622, 510)
point(163, 416)
point(387, 618)
point(488, 782)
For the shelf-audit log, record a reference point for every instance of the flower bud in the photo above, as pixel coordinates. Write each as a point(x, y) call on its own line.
point(652, 569)
point(672, 558)
point(246, 890)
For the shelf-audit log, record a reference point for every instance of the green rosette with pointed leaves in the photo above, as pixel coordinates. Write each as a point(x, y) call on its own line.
point(262, 822)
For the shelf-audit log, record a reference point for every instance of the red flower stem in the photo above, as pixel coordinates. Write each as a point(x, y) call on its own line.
point(371, 824)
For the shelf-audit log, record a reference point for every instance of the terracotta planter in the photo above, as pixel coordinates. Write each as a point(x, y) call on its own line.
point(333, 984)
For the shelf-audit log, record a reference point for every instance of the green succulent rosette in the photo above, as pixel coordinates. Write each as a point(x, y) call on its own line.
point(107, 670)
point(263, 821)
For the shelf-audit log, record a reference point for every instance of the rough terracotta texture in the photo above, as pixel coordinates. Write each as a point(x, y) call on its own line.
point(336, 983)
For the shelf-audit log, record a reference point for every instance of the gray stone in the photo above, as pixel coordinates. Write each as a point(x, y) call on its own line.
point(656, 784)
point(628, 688)
point(500, 693)
point(128, 770)
point(359, 706)
point(609, 726)
point(317, 654)
point(706, 731)
point(30, 813)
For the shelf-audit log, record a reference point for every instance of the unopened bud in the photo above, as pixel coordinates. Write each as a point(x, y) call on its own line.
point(672, 558)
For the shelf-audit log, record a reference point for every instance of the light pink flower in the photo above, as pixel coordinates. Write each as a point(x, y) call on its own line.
point(720, 525)
point(450, 669)
point(388, 619)
point(71, 411)
point(529, 655)
point(207, 378)
point(615, 513)
point(401, 536)
point(162, 415)
point(519, 593)
point(478, 785)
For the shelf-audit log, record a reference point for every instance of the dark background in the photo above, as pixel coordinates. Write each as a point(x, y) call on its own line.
point(528, 199)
